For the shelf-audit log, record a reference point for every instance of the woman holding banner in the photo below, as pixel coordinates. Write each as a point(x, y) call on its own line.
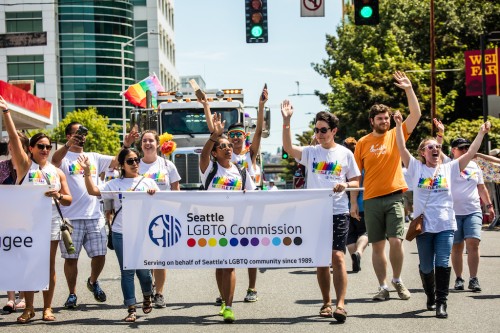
point(215, 172)
point(431, 180)
point(129, 180)
point(35, 169)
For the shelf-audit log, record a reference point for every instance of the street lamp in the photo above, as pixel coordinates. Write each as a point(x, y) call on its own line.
point(122, 48)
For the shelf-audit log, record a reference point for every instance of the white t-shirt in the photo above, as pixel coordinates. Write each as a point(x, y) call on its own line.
point(244, 161)
point(36, 177)
point(227, 179)
point(84, 206)
point(464, 190)
point(124, 184)
point(436, 191)
point(407, 180)
point(162, 171)
point(327, 167)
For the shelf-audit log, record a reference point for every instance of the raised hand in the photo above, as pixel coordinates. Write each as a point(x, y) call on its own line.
point(439, 125)
point(263, 97)
point(398, 118)
point(3, 104)
point(485, 128)
point(218, 124)
point(403, 81)
point(286, 109)
point(84, 162)
point(131, 137)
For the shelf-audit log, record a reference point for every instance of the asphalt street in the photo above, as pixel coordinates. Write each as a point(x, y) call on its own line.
point(289, 301)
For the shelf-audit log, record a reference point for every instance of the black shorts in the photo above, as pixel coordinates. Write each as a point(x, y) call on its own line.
point(356, 229)
point(340, 230)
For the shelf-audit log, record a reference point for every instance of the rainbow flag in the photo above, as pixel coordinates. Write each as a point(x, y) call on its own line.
point(136, 93)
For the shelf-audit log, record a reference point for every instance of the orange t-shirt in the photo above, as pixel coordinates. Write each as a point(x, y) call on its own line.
point(379, 157)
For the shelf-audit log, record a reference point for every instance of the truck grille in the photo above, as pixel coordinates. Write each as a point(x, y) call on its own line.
point(188, 166)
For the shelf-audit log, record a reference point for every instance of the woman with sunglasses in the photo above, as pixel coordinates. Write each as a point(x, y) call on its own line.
point(166, 176)
point(130, 180)
point(35, 169)
point(227, 178)
point(432, 196)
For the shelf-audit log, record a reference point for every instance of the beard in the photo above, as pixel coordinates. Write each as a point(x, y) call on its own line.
point(381, 129)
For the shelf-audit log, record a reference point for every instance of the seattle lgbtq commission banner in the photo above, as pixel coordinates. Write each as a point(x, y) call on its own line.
point(26, 214)
point(201, 229)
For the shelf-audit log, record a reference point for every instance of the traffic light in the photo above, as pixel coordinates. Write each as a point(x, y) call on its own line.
point(284, 154)
point(256, 21)
point(366, 12)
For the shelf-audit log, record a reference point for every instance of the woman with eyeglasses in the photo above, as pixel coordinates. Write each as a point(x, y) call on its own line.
point(218, 150)
point(166, 176)
point(35, 169)
point(431, 180)
point(130, 180)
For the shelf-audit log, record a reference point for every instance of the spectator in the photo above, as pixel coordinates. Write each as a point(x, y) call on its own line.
point(272, 187)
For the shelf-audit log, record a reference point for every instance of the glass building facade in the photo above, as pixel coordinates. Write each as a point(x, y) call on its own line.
point(90, 39)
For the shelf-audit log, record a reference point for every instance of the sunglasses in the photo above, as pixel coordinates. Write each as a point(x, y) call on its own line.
point(322, 130)
point(41, 146)
point(432, 147)
point(233, 135)
point(225, 146)
point(463, 148)
point(131, 161)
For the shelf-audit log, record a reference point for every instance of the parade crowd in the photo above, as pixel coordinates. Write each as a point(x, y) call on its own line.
point(396, 186)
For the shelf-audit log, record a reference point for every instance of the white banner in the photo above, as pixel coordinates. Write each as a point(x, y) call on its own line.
point(201, 229)
point(26, 214)
point(312, 8)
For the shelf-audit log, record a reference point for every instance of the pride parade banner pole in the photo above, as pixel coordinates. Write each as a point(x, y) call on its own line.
point(223, 229)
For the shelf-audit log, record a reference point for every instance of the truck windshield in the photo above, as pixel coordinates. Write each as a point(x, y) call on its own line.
point(192, 121)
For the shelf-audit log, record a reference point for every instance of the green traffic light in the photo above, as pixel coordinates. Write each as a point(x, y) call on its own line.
point(256, 31)
point(366, 12)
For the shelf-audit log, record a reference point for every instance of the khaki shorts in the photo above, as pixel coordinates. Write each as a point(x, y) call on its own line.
point(385, 217)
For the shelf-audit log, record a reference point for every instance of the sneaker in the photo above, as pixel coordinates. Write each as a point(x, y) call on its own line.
point(71, 302)
point(474, 284)
point(228, 315)
point(222, 308)
point(403, 293)
point(218, 301)
point(251, 296)
point(382, 295)
point(99, 294)
point(459, 283)
point(159, 301)
point(356, 262)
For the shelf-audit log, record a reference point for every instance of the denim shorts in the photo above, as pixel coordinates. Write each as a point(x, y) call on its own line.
point(468, 226)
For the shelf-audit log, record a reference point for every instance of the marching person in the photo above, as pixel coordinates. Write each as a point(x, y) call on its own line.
point(432, 183)
point(328, 165)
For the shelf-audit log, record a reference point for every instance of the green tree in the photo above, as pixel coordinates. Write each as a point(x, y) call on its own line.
point(102, 137)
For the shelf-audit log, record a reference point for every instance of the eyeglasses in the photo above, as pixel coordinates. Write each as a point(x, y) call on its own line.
point(233, 135)
point(225, 146)
point(41, 146)
point(432, 147)
point(131, 161)
point(322, 130)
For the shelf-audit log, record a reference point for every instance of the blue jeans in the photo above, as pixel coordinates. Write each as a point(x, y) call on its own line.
point(434, 250)
point(128, 286)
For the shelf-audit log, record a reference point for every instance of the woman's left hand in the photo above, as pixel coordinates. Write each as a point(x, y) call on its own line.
point(485, 128)
point(52, 193)
point(151, 191)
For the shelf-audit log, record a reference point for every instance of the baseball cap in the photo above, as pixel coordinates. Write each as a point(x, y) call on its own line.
point(460, 142)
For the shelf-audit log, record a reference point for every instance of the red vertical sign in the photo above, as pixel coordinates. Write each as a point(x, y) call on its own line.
point(473, 73)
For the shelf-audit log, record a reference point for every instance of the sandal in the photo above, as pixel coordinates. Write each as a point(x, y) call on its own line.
point(48, 315)
point(21, 304)
point(27, 315)
point(326, 311)
point(131, 317)
point(9, 307)
point(340, 314)
point(146, 305)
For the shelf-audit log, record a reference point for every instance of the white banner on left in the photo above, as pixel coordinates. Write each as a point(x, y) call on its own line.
point(26, 214)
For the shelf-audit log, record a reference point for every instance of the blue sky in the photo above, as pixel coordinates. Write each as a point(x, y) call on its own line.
point(210, 41)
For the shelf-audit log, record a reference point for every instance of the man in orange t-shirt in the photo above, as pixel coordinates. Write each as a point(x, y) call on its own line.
point(377, 154)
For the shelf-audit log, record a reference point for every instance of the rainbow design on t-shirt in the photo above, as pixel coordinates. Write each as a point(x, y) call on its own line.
point(76, 169)
point(226, 183)
point(436, 183)
point(468, 175)
point(37, 178)
point(243, 164)
point(327, 168)
point(158, 177)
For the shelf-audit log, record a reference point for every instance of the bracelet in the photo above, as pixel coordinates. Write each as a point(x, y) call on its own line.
point(212, 140)
point(60, 197)
point(440, 134)
point(6, 111)
point(286, 126)
point(86, 174)
point(489, 205)
point(66, 145)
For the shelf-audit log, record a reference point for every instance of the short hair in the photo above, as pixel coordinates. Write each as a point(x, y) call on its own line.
point(235, 125)
point(69, 127)
point(349, 143)
point(327, 117)
point(378, 109)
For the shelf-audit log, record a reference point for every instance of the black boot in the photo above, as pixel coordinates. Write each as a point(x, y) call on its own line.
point(442, 285)
point(428, 282)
